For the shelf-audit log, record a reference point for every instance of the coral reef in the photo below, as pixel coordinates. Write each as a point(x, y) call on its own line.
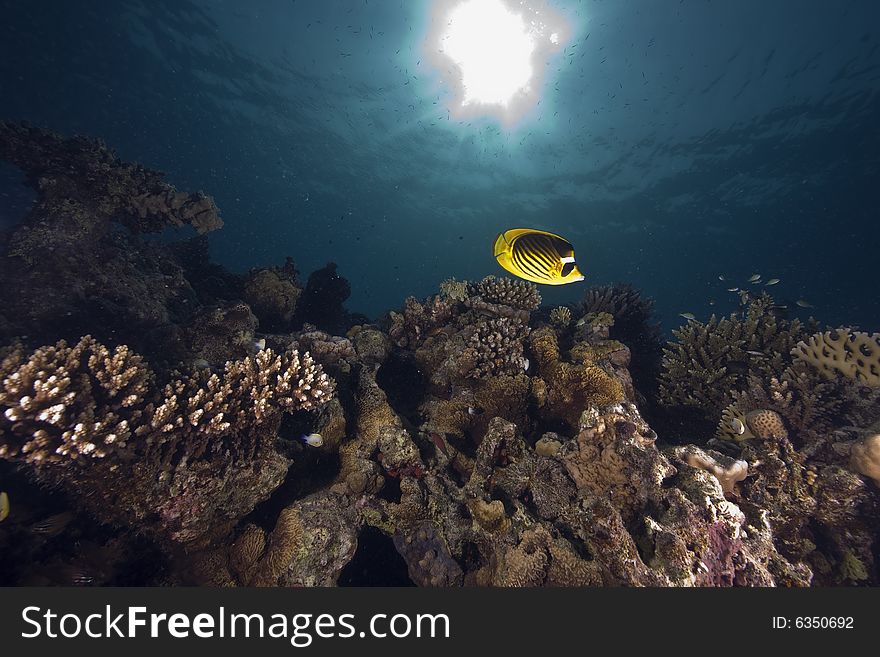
point(477, 438)
point(634, 325)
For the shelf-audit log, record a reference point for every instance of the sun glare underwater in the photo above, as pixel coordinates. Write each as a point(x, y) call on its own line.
point(439, 293)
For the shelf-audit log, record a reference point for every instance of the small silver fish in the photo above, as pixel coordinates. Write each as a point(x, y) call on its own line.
point(754, 278)
point(312, 439)
point(772, 281)
point(733, 289)
point(804, 304)
point(738, 427)
point(721, 277)
point(525, 364)
point(260, 344)
point(760, 354)
point(687, 315)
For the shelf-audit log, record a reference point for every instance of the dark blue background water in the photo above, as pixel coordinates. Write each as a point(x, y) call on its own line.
point(680, 140)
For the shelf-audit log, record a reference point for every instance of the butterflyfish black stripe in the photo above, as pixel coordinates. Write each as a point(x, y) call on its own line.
point(534, 248)
point(535, 260)
point(547, 247)
point(529, 267)
point(550, 256)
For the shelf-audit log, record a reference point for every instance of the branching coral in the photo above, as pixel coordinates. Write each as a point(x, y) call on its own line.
point(170, 460)
point(49, 401)
point(808, 404)
point(709, 362)
point(560, 317)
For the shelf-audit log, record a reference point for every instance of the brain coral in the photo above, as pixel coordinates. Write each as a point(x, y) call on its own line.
point(854, 354)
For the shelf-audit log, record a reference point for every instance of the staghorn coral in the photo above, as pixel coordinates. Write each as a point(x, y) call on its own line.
point(854, 354)
point(182, 462)
point(510, 292)
point(709, 362)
